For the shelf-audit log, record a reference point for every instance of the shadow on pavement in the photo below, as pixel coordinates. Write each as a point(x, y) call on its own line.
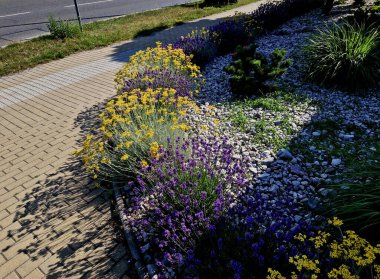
point(123, 51)
point(66, 226)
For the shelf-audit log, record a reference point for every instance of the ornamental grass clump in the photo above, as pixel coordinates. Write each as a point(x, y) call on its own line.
point(344, 55)
point(200, 45)
point(182, 194)
point(162, 59)
point(357, 201)
point(133, 127)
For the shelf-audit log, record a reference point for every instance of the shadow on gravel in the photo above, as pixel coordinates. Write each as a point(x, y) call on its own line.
point(66, 225)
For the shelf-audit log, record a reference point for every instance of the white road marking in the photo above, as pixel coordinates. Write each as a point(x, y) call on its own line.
point(15, 14)
point(88, 3)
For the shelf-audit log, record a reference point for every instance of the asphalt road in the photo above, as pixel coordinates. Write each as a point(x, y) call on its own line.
point(24, 19)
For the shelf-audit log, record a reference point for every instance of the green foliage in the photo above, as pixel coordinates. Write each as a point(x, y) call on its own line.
point(239, 119)
point(375, 9)
point(357, 199)
point(61, 29)
point(251, 71)
point(218, 2)
point(23, 55)
point(344, 55)
point(272, 104)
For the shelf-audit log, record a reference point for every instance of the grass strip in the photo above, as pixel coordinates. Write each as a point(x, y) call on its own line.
point(23, 55)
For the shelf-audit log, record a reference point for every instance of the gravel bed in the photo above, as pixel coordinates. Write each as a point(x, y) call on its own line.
point(282, 174)
point(270, 141)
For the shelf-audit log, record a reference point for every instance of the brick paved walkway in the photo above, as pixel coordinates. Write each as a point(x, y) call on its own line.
point(53, 222)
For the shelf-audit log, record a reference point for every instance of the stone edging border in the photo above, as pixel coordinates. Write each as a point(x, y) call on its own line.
point(143, 271)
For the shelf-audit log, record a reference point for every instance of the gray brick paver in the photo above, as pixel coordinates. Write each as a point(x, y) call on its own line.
point(45, 199)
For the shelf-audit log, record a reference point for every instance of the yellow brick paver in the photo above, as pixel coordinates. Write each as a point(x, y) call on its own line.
point(53, 221)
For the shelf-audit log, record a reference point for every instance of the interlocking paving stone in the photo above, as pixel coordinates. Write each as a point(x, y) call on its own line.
point(53, 221)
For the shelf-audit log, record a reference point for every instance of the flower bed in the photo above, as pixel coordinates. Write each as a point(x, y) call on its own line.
point(195, 200)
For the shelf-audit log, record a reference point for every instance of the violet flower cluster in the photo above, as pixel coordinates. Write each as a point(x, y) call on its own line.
point(200, 45)
point(162, 78)
point(222, 38)
point(256, 234)
point(231, 33)
point(182, 195)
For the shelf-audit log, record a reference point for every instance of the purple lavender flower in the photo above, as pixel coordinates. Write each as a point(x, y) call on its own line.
point(202, 48)
point(186, 203)
point(231, 33)
point(162, 78)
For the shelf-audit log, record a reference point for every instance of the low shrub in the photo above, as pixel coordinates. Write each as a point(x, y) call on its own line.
point(345, 55)
point(200, 45)
point(161, 78)
point(272, 14)
point(61, 29)
point(233, 32)
point(162, 59)
point(185, 191)
point(251, 72)
point(257, 233)
point(358, 196)
point(133, 127)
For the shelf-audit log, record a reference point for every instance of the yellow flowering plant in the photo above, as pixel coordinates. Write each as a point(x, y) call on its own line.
point(150, 64)
point(134, 126)
point(349, 256)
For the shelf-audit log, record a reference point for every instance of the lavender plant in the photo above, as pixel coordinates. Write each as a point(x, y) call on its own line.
point(233, 32)
point(199, 45)
point(182, 194)
point(258, 232)
point(161, 78)
point(274, 13)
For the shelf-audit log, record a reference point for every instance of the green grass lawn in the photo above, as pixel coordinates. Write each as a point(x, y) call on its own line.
point(20, 56)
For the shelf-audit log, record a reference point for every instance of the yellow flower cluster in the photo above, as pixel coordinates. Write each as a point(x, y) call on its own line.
point(274, 274)
point(335, 222)
point(349, 248)
point(157, 58)
point(352, 247)
point(160, 104)
point(319, 240)
point(342, 272)
point(303, 262)
point(200, 33)
point(134, 126)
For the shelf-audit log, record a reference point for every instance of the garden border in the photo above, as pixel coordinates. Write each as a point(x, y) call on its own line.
point(143, 271)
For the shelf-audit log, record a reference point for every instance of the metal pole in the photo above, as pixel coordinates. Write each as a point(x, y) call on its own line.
point(78, 15)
